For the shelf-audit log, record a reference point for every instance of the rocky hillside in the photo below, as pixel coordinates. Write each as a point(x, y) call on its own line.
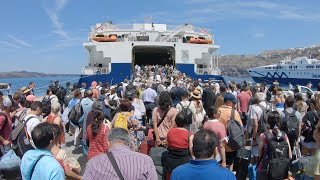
point(236, 65)
point(23, 74)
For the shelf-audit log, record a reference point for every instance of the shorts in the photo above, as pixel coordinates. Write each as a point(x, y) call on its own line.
point(230, 157)
point(254, 149)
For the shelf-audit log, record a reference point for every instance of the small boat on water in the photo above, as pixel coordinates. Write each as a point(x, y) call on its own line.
point(4, 86)
point(298, 71)
point(115, 49)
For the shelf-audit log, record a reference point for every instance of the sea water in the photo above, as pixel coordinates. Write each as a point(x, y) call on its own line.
point(41, 83)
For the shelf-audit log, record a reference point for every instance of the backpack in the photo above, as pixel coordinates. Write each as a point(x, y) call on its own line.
point(68, 98)
point(188, 112)
point(46, 105)
point(263, 121)
point(310, 120)
point(291, 125)
point(75, 113)
point(278, 155)
point(235, 133)
point(113, 103)
point(105, 109)
point(121, 121)
point(269, 96)
point(61, 94)
point(21, 139)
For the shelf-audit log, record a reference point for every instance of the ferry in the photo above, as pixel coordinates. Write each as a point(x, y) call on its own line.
point(298, 71)
point(115, 49)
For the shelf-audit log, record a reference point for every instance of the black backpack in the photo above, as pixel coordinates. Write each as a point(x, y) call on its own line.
point(291, 126)
point(113, 103)
point(21, 139)
point(61, 94)
point(269, 96)
point(46, 105)
point(278, 155)
point(263, 121)
point(235, 133)
point(310, 120)
point(188, 112)
point(75, 113)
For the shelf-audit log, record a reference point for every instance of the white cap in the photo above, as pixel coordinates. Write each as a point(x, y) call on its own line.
point(7, 102)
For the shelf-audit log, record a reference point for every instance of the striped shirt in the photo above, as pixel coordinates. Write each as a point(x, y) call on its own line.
point(132, 166)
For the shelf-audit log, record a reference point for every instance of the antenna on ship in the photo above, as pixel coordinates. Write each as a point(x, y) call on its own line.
point(147, 19)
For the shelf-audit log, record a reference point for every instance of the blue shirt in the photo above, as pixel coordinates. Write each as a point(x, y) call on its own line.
point(201, 170)
point(46, 168)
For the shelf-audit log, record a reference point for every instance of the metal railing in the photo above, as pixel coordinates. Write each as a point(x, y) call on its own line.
point(94, 70)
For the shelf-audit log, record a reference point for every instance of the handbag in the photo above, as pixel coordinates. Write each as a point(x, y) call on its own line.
point(10, 161)
point(297, 166)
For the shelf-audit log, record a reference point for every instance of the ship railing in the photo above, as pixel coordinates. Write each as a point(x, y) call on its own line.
point(208, 71)
point(94, 70)
point(124, 26)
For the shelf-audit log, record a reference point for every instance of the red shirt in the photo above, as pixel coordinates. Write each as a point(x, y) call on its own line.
point(244, 99)
point(217, 127)
point(97, 144)
point(178, 138)
point(5, 127)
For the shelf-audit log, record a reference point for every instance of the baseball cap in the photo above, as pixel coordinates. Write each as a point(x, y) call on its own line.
point(230, 97)
point(7, 102)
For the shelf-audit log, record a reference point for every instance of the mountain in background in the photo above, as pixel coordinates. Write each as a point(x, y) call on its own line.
point(236, 65)
point(26, 74)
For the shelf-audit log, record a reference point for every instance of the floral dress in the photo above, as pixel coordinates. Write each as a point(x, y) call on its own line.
point(133, 125)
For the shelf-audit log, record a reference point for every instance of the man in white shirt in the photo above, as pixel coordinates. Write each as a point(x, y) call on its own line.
point(148, 97)
point(254, 114)
point(32, 119)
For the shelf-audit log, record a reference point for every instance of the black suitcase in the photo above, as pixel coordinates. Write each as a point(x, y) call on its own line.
point(241, 163)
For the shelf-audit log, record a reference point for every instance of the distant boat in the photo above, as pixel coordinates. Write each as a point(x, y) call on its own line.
point(115, 49)
point(4, 86)
point(299, 71)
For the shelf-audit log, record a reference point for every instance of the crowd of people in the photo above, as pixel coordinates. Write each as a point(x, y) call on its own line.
point(162, 125)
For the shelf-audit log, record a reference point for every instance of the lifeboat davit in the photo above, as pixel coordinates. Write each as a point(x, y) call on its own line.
point(112, 38)
point(200, 41)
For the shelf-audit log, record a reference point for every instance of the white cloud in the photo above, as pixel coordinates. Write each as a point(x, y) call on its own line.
point(258, 35)
point(53, 14)
point(8, 44)
point(19, 41)
point(60, 4)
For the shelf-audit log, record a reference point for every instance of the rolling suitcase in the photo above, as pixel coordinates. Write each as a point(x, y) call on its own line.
point(241, 163)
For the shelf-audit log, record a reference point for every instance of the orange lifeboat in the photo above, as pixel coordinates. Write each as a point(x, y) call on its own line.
point(112, 38)
point(200, 41)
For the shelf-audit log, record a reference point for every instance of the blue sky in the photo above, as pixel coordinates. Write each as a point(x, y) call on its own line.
point(47, 35)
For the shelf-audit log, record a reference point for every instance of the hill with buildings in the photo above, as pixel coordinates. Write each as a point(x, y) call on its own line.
point(236, 65)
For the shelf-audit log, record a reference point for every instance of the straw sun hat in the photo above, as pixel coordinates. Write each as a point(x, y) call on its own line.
point(196, 94)
point(25, 90)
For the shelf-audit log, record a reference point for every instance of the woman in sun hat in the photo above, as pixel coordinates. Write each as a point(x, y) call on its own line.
point(200, 112)
point(25, 91)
